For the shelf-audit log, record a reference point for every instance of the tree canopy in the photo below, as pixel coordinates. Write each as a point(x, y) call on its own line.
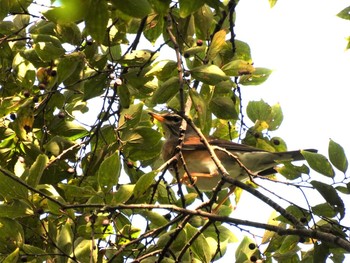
point(81, 175)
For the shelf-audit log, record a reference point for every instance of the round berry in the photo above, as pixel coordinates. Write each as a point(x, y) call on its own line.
point(53, 73)
point(276, 142)
point(26, 93)
point(252, 246)
point(42, 86)
point(61, 114)
point(199, 42)
point(253, 258)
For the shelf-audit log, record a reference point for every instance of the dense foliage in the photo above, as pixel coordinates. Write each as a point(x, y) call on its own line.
point(81, 177)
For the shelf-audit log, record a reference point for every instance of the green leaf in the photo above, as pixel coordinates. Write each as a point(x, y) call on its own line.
point(154, 28)
point(289, 244)
point(138, 9)
point(144, 183)
point(94, 86)
point(10, 189)
point(324, 210)
point(200, 246)
point(272, 3)
point(319, 163)
point(69, 33)
point(157, 220)
point(68, 129)
point(35, 251)
point(204, 22)
point(218, 42)
point(223, 108)
point(83, 251)
point(238, 68)
point(296, 212)
point(166, 91)
point(258, 110)
point(276, 117)
point(177, 243)
point(4, 8)
point(123, 194)
point(345, 13)
point(243, 252)
point(57, 145)
point(37, 169)
point(331, 196)
point(67, 65)
point(337, 156)
point(69, 11)
point(292, 172)
point(124, 96)
point(188, 7)
point(47, 47)
point(16, 208)
point(65, 238)
point(162, 69)
point(209, 74)
point(13, 257)
point(11, 235)
point(97, 19)
point(257, 77)
point(109, 172)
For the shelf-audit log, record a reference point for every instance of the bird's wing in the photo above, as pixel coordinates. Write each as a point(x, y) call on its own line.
point(194, 143)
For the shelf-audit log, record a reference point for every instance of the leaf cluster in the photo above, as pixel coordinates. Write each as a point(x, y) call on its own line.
point(81, 177)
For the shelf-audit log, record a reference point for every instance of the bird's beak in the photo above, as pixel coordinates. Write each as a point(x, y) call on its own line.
point(157, 116)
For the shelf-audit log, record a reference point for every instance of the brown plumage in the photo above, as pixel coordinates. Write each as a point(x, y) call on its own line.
point(201, 167)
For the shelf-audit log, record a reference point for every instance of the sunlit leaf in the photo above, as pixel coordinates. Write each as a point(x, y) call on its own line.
point(209, 74)
point(65, 238)
point(15, 209)
point(272, 3)
point(238, 67)
point(217, 43)
point(319, 163)
point(345, 13)
point(259, 76)
point(123, 194)
point(11, 189)
point(337, 156)
point(11, 235)
point(204, 21)
point(68, 11)
point(37, 169)
point(243, 252)
point(258, 110)
point(200, 246)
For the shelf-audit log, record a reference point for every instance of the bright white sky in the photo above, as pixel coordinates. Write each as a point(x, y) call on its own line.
point(304, 43)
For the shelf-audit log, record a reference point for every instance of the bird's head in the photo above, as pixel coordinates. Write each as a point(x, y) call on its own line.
point(170, 122)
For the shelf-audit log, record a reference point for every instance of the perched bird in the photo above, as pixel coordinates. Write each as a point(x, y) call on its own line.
point(199, 164)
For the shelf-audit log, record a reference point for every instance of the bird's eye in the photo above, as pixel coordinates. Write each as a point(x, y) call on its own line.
point(174, 118)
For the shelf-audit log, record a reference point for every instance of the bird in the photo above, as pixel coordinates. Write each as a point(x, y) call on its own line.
point(203, 172)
